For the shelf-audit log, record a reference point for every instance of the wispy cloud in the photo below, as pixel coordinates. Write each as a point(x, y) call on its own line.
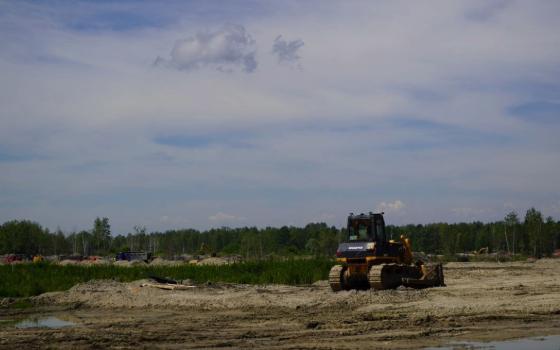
point(223, 217)
point(287, 51)
point(6, 158)
point(234, 139)
point(538, 112)
point(487, 10)
point(468, 214)
point(9, 155)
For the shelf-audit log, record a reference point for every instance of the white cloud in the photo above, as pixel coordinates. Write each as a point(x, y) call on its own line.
point(390, 207)
point(230, 46)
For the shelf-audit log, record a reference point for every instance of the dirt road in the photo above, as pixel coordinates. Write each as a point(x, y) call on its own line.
point(482, 301)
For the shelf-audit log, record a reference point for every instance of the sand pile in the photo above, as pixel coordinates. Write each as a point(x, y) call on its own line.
point(213, 261)
point(125, 263)
point(96, 262)
point(68, 262)
point(163, 262)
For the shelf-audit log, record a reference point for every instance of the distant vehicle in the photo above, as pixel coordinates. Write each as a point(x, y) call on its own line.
point(94, 258)
point(11, 258)
point(134, 256)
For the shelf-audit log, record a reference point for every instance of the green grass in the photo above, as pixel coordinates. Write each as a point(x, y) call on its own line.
point(24, 280)
point(22, 303)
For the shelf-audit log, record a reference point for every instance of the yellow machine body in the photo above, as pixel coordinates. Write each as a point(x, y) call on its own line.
point(369, 260)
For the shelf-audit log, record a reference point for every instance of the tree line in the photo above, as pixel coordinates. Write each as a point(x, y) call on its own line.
point(532, 236)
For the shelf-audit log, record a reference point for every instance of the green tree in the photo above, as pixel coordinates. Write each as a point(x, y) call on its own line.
point(23, 237)
point(511, 223)
point(533, 225)
point(548, 236)
point(101, 235)
point(313, 246)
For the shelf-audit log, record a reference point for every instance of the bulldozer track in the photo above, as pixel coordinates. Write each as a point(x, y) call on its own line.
point(392, 275)
point(335, 278)
point(374, 277)
point(386, 276)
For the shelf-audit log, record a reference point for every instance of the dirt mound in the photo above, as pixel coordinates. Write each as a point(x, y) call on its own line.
point(548, 263)
point(124, 263)
point(95, 262)
point(68, 262)
point(109, 293)
point(213, 261)
point(163, 262)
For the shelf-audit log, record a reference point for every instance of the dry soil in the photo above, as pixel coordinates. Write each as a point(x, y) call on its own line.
point(482, 301)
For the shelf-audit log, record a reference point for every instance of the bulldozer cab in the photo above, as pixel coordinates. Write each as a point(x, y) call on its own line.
point(366, 228)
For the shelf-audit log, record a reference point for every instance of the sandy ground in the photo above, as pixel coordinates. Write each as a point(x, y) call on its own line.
point(482, 301)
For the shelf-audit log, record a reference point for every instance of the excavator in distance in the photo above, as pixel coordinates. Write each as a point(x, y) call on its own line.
point(368, 259)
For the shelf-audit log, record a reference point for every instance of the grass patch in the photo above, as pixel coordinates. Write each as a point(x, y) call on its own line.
point(22, 303)
point(25, 280)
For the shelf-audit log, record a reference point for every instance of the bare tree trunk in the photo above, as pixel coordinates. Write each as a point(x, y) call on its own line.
point(507, 242)
point(513, 243)
point(84, 246)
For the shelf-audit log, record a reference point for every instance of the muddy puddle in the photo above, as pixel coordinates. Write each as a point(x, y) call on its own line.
point(44, 322)
point(539, 343)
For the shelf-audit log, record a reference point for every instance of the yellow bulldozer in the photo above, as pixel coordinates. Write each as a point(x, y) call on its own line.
point(368, 259)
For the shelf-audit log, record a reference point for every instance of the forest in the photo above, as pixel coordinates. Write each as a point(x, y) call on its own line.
point(531, 235)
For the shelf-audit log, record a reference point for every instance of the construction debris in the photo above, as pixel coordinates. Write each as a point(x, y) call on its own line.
point(163, 280)
point(167, 286)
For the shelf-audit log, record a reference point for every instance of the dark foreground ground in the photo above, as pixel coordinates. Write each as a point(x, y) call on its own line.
point(482, 301)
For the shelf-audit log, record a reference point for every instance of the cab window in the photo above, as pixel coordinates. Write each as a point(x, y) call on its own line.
point(352, 235)
point(358, 233)
point(362, 232)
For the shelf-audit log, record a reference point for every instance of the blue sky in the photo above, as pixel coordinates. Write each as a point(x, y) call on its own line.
point(202, 114)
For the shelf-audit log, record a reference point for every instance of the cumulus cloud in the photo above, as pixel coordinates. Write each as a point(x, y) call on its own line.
point(286, 51)
point(390, 207)
point(227, 48)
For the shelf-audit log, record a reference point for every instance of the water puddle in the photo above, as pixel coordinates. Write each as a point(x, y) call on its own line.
point(44, 322)
point(537, 343)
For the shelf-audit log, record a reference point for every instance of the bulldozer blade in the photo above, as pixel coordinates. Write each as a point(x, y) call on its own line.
point(432, 277)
